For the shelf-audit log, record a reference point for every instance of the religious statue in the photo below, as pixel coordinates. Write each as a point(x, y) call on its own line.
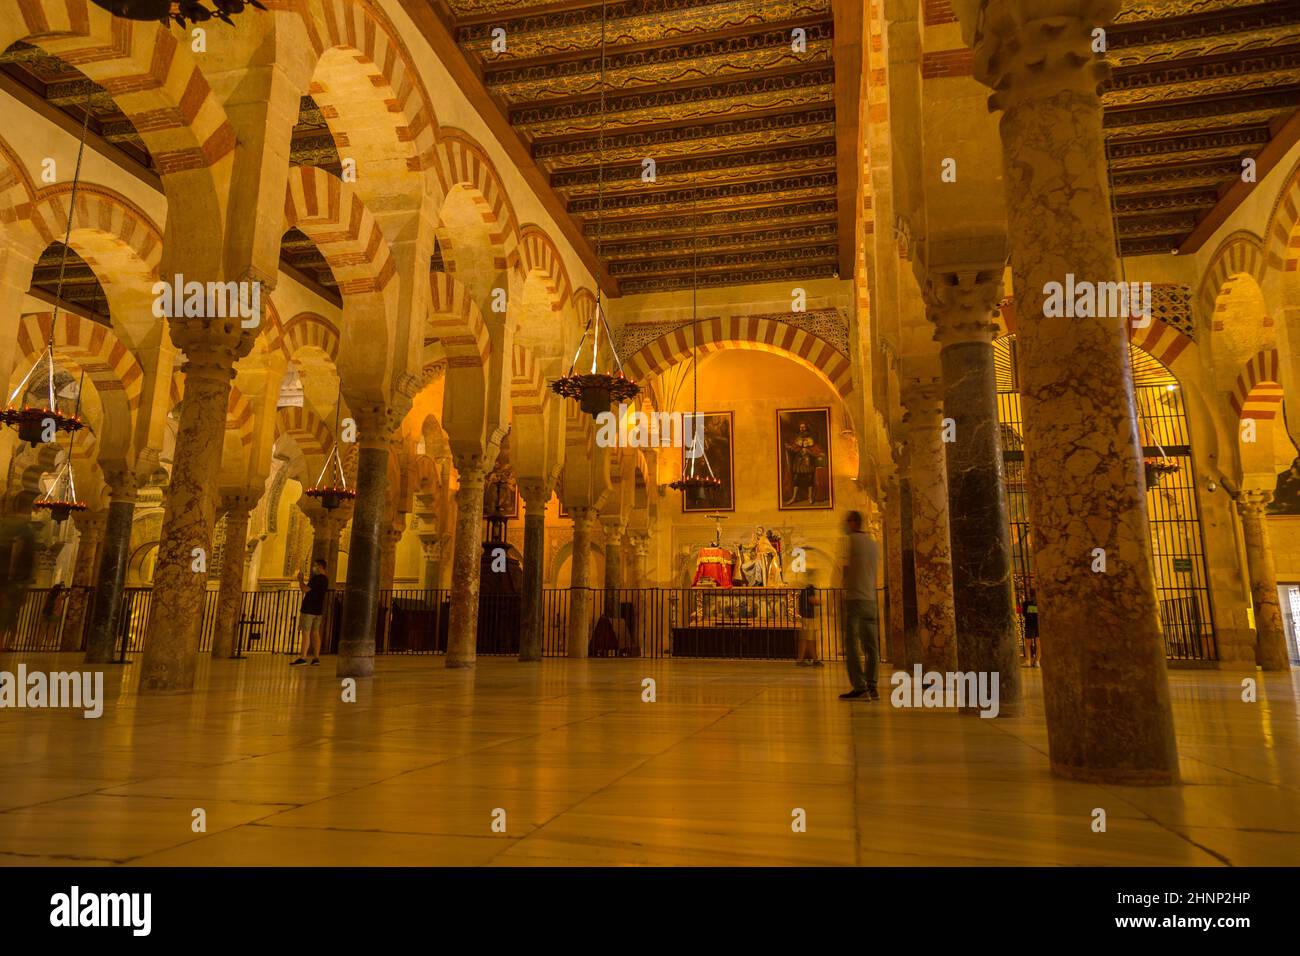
point(760, 560)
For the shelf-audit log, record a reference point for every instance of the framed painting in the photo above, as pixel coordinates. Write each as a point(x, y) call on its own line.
point(501, 492)
point(803, 443)
point(718, 435)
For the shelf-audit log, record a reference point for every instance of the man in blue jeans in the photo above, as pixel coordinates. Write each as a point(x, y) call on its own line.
point(861, 618)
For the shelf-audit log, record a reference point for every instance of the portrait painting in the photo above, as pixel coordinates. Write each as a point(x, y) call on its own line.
point(803, 458)
point(717, 430)
point(1286, 495)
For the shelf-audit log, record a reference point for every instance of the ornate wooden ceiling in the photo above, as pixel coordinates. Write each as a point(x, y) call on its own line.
point(740, 126)
point(1198, 86)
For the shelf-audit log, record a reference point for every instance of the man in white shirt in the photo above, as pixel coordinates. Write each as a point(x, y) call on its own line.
point(861, 617)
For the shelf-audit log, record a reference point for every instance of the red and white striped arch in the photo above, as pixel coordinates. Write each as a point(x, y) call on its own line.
point(1258, 393)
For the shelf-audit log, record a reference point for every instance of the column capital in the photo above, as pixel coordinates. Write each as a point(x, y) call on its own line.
point(431, 547)
point(584, 516)
point(536, 492)
point(91, 524)
point(121, 481)
point(471, 468)
point(640, 542)
point(1252, 504)
point(239, 501)
point(374, 423)
point(1028, 49)
point(962, 303)
point(614, 526)
point(211, 346)
point(922, 400)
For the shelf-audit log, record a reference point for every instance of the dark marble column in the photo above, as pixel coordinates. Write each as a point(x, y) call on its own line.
point(361, 593)
point(171, 649)
point(106, 607)
point(614, 528)
point(536, 493)
point(896, 636)
point(467, 559)
point(90, 527)
point(1270, 641)
point(1105, 687)
point(230, 591)
point(961, 305)
point(911, 628)
point(326, 526)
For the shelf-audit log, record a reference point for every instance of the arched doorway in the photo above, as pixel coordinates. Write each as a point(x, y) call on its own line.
point(1173, 514)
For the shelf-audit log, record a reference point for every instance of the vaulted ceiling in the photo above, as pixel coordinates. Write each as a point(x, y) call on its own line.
point(740, 126)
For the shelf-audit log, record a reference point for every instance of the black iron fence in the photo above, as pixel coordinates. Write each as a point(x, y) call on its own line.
point(745, 623)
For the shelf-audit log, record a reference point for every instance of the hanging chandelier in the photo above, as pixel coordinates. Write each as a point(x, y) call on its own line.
point(61, 498)
point(40, 420)
point(593, 389)
point(695, 476)
point(182, 12)
point(331, 487)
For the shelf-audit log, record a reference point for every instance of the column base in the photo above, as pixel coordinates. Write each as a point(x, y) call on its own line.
point(1123, 776)
point(355, 667)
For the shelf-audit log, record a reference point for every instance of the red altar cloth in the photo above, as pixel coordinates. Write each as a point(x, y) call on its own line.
point(714, 563)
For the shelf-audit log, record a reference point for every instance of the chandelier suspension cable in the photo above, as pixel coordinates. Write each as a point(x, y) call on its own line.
point(600, 192)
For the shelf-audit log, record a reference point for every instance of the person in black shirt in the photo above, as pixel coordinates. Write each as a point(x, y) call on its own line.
point(309, 614)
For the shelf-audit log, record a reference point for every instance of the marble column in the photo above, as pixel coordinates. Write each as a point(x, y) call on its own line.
point(110, 578)
point(1270, 645)
point(47, 559)
point(961, 305)
point(640, 544)
point(171, 648)
point(614, 529)
point(90, 526)
point(230, 591)
point(356, 657)
point(431, 551)
point(931, 553)
point(326, 526)
point(388, 556)
point(536, 493)
point(896, 639)
point(462, 624)
point(580, 593)
point(1105, 686)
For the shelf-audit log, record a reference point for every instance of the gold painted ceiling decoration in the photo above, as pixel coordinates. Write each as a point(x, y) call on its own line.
point(1198, 86)
point(713, 91)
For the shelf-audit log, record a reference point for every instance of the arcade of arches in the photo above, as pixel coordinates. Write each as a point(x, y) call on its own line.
point(852, 237)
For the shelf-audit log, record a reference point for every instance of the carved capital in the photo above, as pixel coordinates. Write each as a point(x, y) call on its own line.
point(614, 526)
point(90, 525)
point(922, 399)
point(536, 492)
point(121, 481)
point(1253, 504)
point(1030, 49)
point(962, 305)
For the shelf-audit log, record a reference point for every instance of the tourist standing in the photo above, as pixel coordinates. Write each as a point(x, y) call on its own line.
point(861, 616)
point(1030, 611)
point(309, 614)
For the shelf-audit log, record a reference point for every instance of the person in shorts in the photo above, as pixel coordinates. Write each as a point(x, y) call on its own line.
point(309, 614)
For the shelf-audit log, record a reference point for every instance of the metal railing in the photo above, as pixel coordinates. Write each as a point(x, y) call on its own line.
point(735, 623)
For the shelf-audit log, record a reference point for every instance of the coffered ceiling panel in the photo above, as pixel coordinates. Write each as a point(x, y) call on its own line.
point(740, 126)
point(1198, 86)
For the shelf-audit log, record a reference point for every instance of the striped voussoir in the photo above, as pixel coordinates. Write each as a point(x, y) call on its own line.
point(83, 345)
point(1282, 237)
point(333, 216)
point(306, 428)
point(527, 389)
point(1240, 253)
point(151, 75)
point(1161, 341)
point(309, 330)
point(121, 239)
point(539, 253)
point(239, 415)
point(366, 30)
point(465, 164)
point(1257, 392)
point(745, 332)
point(456, 322)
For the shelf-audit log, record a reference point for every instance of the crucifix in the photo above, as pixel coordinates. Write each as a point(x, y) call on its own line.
point(717, 528)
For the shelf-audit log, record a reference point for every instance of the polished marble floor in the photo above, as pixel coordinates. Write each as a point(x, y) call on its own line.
point(419, 769)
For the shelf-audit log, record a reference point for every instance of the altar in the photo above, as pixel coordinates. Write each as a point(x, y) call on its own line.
point(754, 622)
